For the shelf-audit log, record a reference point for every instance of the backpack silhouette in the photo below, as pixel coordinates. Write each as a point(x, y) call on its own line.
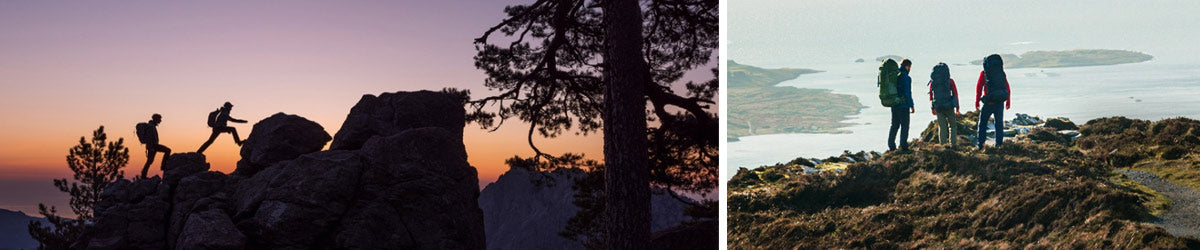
point(889, 76)
point(940, 86)
point(143, 132)
point(212, 118)
point(993, 74)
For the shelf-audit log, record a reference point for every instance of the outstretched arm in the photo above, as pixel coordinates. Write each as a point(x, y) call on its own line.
point(236, 120)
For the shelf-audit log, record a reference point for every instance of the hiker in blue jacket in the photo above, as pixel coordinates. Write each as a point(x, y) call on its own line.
point(900, 113)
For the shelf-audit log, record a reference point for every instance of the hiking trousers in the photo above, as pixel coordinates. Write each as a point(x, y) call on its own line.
point(899, 124)
point(947, 132)
point(217, 131)
point(991, 111)
point(151, 150)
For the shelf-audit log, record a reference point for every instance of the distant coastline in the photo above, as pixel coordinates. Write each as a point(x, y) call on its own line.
point(758, 107)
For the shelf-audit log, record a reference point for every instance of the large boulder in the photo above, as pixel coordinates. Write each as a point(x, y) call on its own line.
point(392, 113)
point(210, 229)
point(178, 166)
point(194, 194)
point(296, 203)
point(278, 138)
point(418, 192)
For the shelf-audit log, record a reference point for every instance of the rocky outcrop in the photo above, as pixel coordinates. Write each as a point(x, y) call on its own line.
point(410, 188)
point(392, 113)
point(278, 138)
point(130, 215)
point(526, 209)
point(211, 229)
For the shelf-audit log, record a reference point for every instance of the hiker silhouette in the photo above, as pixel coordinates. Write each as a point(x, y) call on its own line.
point(219, 121)
point(147, 133)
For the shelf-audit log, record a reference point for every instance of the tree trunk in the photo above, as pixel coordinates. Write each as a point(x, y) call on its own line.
point(626, 182)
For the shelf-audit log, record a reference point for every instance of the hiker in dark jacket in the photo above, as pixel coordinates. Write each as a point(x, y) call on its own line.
point(220, 124)
point(943, 94)
point(900, 113)
point(992, 89)
point(148, 134)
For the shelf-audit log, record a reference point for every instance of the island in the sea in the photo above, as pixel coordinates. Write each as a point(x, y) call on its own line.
point(758, 107)
point(885, 57)
point(1071, 58)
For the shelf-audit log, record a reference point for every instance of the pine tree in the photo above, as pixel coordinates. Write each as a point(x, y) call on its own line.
point(96, 164)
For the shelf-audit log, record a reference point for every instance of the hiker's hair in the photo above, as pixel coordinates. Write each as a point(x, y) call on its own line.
point(156, 116)
point(905, 63)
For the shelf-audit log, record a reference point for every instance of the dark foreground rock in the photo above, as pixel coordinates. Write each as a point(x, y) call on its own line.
point(411, 188)
point(278, 138)
point(391, 113)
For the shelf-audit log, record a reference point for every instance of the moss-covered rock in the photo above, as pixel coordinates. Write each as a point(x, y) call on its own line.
point(1061, 124)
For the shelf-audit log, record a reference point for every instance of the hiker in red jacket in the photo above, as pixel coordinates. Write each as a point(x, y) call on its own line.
point(992, 89)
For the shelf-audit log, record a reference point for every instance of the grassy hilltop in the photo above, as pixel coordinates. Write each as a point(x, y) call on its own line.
point(1041, 189)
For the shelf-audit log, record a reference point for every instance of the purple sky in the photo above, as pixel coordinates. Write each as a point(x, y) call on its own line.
point(67, 68)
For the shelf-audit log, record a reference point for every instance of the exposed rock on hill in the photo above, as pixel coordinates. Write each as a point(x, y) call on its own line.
point(408, 186)
point(391, 113)
point(278, 138)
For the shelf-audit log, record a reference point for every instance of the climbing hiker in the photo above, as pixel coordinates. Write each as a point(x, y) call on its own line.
point(992, 90)
point(147, 133)
point(219, 121)
point(901, 111)
point(944, 95)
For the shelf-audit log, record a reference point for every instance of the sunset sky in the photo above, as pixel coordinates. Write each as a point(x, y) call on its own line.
point(66, 69)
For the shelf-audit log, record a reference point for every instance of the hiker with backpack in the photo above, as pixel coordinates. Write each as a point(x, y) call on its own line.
point(895, 91)
point(944, 95)
point(147, 133)
point(992, 89)
point(219, 121)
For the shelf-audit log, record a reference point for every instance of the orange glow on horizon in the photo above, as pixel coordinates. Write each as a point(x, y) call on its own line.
point(40, 154)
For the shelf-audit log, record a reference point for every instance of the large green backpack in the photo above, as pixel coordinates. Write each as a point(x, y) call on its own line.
point(889, 75)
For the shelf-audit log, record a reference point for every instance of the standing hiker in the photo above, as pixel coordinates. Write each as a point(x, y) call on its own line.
point(900, 112)
point(219, 121)
point(944, 95)
point(992, 89)
point(147, 133)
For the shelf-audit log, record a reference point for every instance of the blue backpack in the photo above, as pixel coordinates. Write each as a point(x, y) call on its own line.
point(996, 81)
point(939, 85)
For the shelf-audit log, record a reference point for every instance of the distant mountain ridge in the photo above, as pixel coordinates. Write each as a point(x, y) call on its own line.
point(14, 230)
point(526, 209)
